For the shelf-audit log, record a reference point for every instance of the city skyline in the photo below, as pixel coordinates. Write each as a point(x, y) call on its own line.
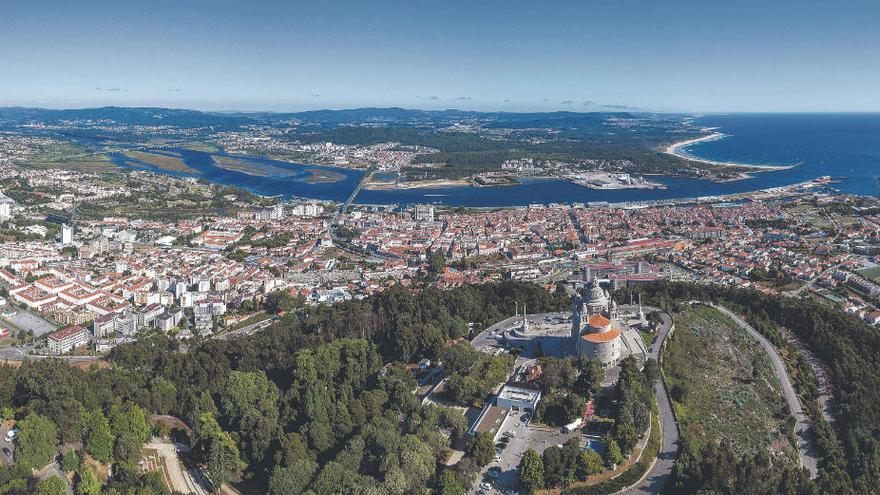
point(270, 56)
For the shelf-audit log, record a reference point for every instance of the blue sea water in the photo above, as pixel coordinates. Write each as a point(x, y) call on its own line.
point(844, 146)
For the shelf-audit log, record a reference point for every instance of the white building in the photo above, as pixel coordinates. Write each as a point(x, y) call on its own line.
point(518, 399)
point(187, 299)
point(424, 213)
point(168, 320)
point(276, 212)
point(67, 339)
point(125, 324)
point(147, 315)
point(5, 211)
point(307, 210)
point(221, 284)
point(103, 326)
point(66, 234)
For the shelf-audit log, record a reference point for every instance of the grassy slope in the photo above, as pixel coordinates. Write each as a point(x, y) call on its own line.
point(723, 386)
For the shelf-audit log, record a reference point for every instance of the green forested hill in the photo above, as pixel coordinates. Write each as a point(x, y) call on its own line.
point(299, 405)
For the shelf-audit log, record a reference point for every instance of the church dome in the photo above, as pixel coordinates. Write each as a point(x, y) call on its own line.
point(596, 296)
point(598, 323)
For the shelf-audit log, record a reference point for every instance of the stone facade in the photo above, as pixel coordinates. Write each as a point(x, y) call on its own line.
point(595, 328)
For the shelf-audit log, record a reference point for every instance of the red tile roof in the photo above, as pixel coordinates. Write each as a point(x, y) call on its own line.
point(598, 321)
point(66, 332)
point(602, 336)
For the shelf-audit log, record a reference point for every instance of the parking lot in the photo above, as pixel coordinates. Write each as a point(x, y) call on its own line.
point(521, 436)
point(26, 320)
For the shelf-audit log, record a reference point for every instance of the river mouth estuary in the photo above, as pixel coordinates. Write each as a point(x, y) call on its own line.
point(843, 146)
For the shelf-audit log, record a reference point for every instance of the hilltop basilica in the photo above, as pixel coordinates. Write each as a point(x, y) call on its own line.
point(595, 326)
point(594, 329)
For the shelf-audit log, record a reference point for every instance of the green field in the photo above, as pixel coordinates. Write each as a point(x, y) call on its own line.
point(69, 156)
point(723, 387)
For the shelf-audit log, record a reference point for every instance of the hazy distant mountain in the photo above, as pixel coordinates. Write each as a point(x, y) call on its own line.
point(366, 115)
point(402, 116)
point(124, 115)
point(326, 118)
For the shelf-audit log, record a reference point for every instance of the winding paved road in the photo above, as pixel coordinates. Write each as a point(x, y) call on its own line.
point(23, 353)
point(652, 483)
point(806, 440)
point(249, 329)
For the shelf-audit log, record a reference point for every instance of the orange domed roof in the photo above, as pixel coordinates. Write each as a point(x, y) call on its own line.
point(598, 338)
point(598, 321)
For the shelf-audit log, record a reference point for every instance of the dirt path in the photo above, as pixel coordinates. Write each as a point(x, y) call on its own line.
point(162, 456)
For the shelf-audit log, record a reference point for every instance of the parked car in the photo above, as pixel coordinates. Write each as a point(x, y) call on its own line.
point(11, 434)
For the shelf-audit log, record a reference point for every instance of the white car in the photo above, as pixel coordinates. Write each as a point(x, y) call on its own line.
point(11, 434)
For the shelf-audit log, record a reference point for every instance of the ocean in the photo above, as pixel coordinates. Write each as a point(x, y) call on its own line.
point(843, 146)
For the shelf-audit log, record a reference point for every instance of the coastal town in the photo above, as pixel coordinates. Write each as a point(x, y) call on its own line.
point(105, 250)
point(439, 248)
point(112, 277)
point(82, 272)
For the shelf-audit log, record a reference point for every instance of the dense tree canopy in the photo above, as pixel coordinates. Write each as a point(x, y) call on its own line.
point(35, 443)
point(306, 404)
point(51, 486)
point(87, 483)
point(97, 436)
point(531, 471)
point(249, 406)
point(217, 450)
point(473, 381)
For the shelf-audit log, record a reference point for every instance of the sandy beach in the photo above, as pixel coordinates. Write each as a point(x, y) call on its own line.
point(677, 149)
point(387, 186)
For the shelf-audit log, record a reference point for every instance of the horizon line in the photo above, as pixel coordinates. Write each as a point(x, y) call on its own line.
point(599, 109)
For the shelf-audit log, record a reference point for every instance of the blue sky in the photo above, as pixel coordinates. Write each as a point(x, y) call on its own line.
point(697, 56)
